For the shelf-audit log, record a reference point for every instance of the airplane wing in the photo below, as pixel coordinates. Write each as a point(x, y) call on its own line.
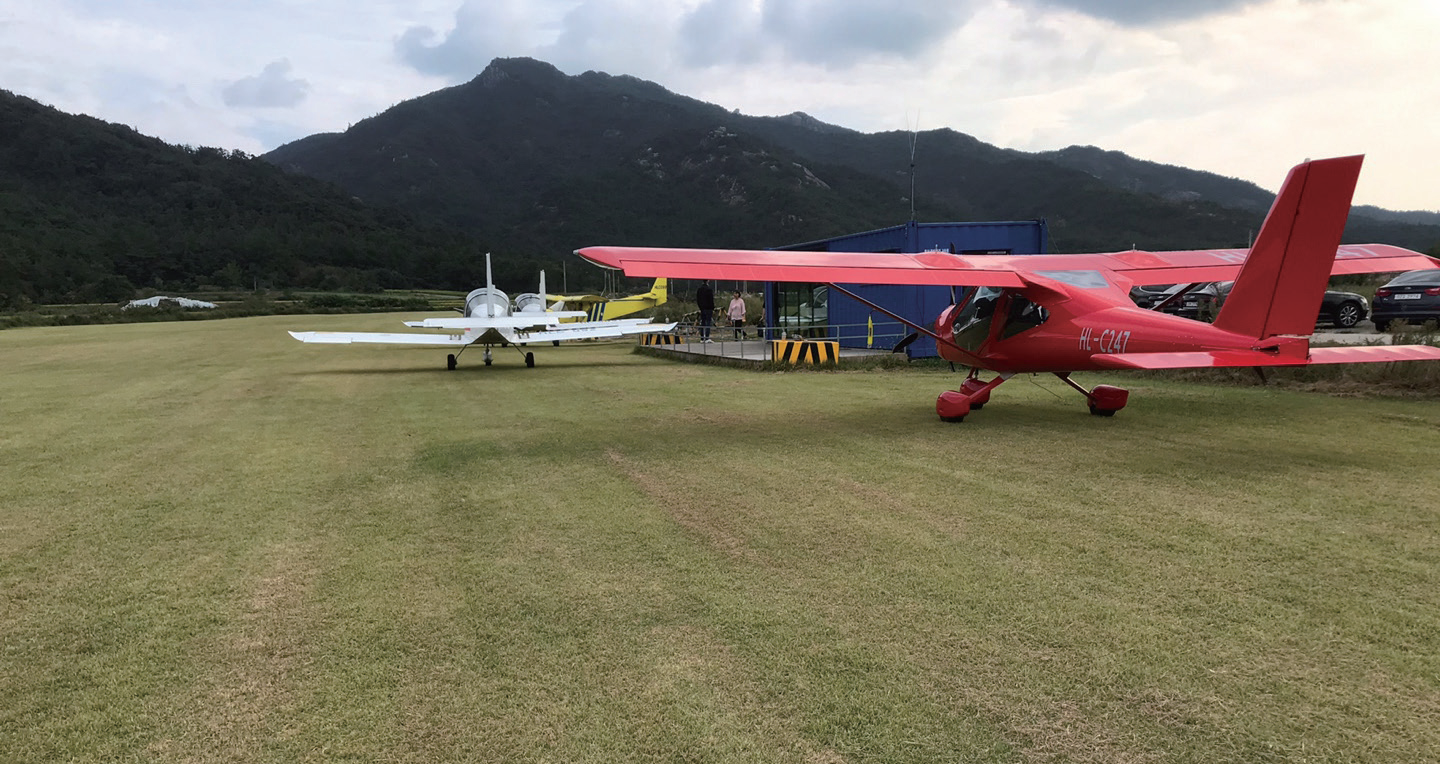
point(569, 298)
point(945, 269)
point(383, 338)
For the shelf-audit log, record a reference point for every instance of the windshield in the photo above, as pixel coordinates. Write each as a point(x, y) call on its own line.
point(972, 322)
point(976, 318)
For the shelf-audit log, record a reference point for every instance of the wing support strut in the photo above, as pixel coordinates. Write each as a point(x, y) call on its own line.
point(975, 359)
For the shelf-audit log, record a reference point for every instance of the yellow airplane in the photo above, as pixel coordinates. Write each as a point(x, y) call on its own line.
point(598, 308)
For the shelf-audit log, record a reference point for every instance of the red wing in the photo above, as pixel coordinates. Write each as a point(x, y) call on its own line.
point(937, 268)
point(942, 268)
point(1379, 258)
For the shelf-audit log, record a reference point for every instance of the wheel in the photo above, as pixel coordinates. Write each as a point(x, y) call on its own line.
point(952, 406)
point(1347, 315)
point(487, 361)
point(530, 360)
point(1097, 411)
point(555, 342)
point(450, 362)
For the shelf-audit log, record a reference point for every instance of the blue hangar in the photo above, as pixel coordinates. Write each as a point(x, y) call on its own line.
point(810, 310)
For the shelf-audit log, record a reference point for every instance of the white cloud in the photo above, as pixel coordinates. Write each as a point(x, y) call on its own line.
point(1146, 12)
point(273, 88)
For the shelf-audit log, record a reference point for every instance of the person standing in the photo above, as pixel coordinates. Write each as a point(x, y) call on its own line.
point(736, 312)
point(705, 301)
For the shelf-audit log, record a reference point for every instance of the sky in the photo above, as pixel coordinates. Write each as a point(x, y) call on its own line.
point(1242, 88)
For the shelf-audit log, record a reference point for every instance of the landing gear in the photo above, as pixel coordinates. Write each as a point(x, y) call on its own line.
point(974, 393)
point(530, 360)
point(450, 362)
point(977, 391)
point(488, 359)
point(1104, 400)
point(955, 405)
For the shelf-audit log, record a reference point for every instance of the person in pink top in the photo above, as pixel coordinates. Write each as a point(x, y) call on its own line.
point(736, 312)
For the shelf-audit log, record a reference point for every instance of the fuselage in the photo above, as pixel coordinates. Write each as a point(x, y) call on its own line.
point(1062, 327)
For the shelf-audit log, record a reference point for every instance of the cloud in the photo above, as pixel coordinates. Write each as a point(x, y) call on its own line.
point(619, 36)
point(721, 32)
point(837, 36)
point(273, 88)
point(484, 30)
point(626, 35)
point(1139, 13)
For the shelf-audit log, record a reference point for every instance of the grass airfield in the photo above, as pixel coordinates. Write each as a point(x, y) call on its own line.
point(219, 544)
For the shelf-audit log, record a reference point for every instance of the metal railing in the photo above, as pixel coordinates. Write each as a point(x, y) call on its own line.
point(752, 343)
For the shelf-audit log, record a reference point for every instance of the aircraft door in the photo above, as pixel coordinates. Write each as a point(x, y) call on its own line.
point(973, 321)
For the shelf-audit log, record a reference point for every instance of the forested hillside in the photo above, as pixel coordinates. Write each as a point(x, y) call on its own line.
point(529, 163)
point(90, 211)
point(526, 155)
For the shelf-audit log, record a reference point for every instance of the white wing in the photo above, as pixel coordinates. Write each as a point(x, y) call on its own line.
point(383, 338)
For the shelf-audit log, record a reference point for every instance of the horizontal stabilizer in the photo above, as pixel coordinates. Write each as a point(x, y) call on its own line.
point(518, 321)
point(1374, 354)
point(598, 330)
point(1226, 358)
point(382, 338)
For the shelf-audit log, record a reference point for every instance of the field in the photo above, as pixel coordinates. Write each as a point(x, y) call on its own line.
point(218, 544)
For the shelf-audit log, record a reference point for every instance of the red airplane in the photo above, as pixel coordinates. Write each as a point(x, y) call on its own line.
point(1068, 313)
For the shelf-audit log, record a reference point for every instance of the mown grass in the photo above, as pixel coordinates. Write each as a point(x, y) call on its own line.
point(218, 544)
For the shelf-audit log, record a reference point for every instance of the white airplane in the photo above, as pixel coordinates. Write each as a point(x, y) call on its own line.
point(490, 319)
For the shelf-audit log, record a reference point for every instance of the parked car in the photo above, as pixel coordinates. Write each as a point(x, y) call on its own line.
point(1197, 303)
point(1343, 309)
point(1147, 296)
point(1413, 296)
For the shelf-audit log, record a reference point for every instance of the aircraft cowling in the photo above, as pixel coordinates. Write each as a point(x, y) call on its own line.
point(486, 301)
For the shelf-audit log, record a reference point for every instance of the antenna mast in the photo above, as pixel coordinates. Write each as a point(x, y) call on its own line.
point(914, 137)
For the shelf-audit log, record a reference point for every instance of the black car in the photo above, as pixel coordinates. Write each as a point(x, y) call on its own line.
point(1199, 302)
point(1413, 296)
point(1343, 309)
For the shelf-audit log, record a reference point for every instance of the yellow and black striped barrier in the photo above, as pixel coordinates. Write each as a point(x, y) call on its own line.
point(659, 339)
point(804, 351)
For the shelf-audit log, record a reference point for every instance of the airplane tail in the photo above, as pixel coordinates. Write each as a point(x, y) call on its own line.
point(1280, 287)
point(658, 291)
point(489, 286)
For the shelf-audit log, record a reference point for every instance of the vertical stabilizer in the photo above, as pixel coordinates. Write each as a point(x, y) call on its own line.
point(489, 285)
point(542, 290)
point(1280, 287)
point(659, 290)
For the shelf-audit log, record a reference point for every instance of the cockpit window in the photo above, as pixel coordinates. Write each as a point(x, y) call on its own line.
point(1082, 279)
point(1022, 315)
point(972, 322)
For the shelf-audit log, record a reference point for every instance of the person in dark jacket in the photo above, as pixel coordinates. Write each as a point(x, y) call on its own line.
point(705, 301)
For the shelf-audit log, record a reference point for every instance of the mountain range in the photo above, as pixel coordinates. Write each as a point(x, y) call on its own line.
point(531, 164)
